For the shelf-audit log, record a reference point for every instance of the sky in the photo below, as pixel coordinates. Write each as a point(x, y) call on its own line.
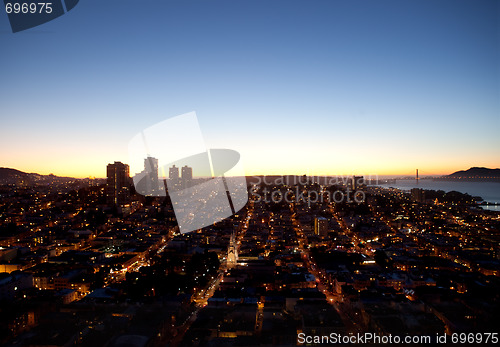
point(296, 87)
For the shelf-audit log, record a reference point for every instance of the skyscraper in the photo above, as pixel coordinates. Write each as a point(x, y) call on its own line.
point(151, 166)
point(357, 182)
point(418, 194)
point(321, 226)
point(151, 170)
point(118, 183)
point(187, 176)
point(173, 173)
point(146, 182)
point(174, 179)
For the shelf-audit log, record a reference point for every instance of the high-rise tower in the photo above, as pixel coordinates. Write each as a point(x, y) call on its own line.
point(187, 176)
point(321, 226)
point(118, 183)
point(173, 173)
point(146, 182)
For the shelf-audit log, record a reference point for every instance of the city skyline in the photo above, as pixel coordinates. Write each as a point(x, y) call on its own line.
point(249, 173)
point(304, 261)
point(333, 88)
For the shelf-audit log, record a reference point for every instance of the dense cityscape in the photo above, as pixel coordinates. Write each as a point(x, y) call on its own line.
point(91, 262)
point(249, 173)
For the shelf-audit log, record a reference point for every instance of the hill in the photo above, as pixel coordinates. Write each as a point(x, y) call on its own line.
point(13, 176)
point(476, 173)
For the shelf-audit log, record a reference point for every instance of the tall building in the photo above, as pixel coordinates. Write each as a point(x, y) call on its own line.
point(151, 170)
point(320, 226)
point(357, 182)
point(173, 173)
point(118, 183)
point(418, 194)
point(151, 166)
point(146, 182)
point(174, 179)
point(187, 176)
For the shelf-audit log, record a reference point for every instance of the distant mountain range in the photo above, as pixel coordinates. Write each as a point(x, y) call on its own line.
point(13, 176)
point(476, 173)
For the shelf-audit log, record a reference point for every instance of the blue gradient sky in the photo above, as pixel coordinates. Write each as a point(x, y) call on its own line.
point(317, 87)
